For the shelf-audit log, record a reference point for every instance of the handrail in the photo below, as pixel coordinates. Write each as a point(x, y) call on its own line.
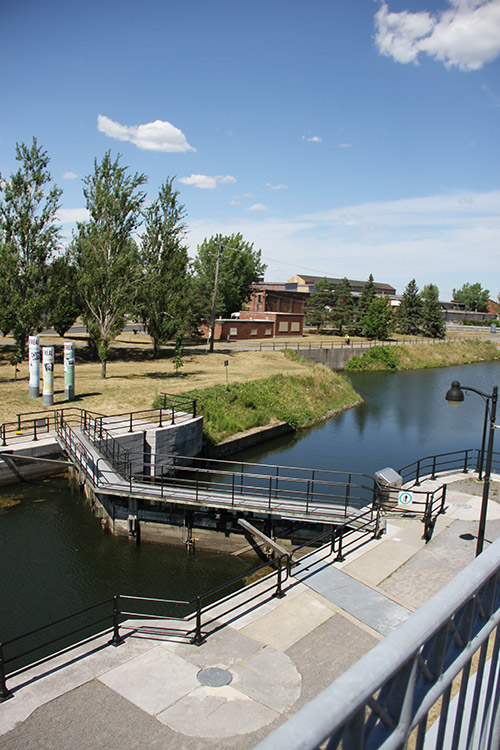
point(387, 695)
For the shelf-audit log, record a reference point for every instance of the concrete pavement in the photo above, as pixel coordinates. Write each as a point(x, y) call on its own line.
point(261, 662)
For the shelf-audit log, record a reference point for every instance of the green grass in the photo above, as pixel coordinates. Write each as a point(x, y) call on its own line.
point(422, 356)
point(298, 400)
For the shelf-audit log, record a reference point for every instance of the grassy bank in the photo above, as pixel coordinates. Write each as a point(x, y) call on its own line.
point(299, 400)
point(422, 356)
point(135, 379)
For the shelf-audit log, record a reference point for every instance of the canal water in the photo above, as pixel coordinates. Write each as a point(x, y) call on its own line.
point(55, 559)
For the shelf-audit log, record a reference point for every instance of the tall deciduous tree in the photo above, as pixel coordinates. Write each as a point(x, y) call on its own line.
point(63, 298)
point(29, 236)
point(105, 252)
point(319, 306)
point(411, 310)
point(432, 317)
point(239, 267)
point(378, 322)
point(343, 308)
point(473, 296)
point(163, 291)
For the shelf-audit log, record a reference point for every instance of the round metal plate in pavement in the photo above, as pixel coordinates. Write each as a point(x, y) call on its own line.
point(214, 677)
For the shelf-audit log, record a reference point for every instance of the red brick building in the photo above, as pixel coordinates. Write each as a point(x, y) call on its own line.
point(248, 324)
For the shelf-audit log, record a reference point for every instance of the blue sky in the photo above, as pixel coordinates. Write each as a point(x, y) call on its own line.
point(341, 138)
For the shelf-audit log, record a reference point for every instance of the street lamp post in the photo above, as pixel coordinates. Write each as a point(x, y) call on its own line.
point(455, 396)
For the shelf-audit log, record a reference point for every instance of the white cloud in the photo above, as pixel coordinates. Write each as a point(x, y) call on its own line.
point(69, 176)
point(71, 215)
point(345, 145)
point(257, 207)
point(466, 35)
point(207, 182)
point(312, 139)
point(151, 136)
point(444, 239)
point(276, 187)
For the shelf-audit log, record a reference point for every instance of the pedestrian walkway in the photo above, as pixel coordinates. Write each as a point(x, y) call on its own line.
point(259, 664)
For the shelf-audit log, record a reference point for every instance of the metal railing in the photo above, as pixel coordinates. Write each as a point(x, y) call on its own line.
point(432, 683)
point(33, 425)
point(202, 616)
point(457, 461)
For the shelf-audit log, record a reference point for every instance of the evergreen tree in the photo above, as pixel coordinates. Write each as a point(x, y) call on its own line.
point(343, 307)
point(105, 252)
point(379, 320)
point(432, 317)
point(410, 310)
point(319, 305)
point(163, 294)
point(368, 294)
point(29, 237)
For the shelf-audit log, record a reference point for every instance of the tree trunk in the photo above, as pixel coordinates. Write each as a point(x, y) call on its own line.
point(103, 368)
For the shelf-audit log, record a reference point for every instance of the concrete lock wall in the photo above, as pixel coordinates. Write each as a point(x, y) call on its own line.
point(335, 359)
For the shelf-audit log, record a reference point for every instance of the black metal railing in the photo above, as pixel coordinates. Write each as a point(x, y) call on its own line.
point(456, 461)
point(203, 616)
point(33, 425)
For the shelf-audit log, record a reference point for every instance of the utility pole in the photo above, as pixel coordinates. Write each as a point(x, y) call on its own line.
point(211, 332)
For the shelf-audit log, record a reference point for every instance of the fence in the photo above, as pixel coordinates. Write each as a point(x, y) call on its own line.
point(430, 466)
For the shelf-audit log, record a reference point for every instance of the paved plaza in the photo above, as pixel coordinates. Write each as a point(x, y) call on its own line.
point(259, 664)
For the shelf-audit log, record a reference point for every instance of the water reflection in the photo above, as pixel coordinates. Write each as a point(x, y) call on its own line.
point(404, 417)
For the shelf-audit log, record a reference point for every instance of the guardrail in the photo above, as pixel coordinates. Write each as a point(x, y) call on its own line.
point(430, 466)
point(33, 425)
point(202, 618)
point(449, 647)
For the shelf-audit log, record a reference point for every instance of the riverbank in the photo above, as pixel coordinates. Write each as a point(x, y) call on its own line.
point(423, 356)
point(298, 400)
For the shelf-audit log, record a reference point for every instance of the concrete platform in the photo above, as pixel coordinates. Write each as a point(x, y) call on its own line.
point(278, 654)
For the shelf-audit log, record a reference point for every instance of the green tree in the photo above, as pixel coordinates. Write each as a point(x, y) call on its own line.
point(432, 317)
point(239, 267)
point(368, 294)
point(319, 305)
point(105, 252)
point(178, 352)
point(473, 296)
point(63, 298)
point(410, 310)
point(28, 238)
point(163, 292)
point(379, 320)
point(343, 307)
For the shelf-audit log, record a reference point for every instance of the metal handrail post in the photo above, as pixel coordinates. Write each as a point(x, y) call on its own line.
point(131, 423)
point(34, 430)
point(466, 462)
point(443, 499)
point(160, 420)
point(116, 639)
point(4, 439)
point(417, 478)
point(433, 475)
point(173, 414)
point(198, 635)
point(279, 593)
point(5, 693)
point(340, 557)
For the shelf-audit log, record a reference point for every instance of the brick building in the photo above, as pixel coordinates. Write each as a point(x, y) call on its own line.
point(249, 324)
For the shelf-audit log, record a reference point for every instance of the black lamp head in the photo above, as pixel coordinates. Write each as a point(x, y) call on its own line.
point(455, 395)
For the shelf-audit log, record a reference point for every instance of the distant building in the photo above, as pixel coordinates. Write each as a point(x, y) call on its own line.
point(248, 324)
point(290, 296)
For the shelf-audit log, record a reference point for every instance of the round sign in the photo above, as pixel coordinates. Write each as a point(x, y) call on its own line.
point(405, 498)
